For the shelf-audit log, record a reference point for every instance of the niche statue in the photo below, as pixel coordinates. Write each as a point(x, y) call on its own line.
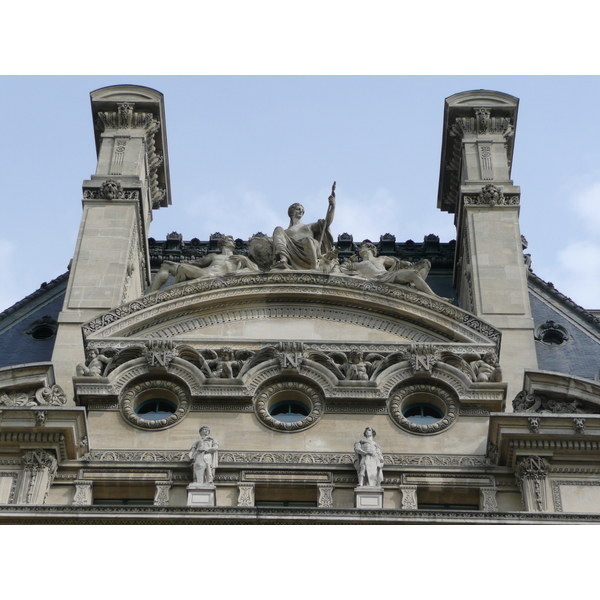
point(205, 457)
point(369, 460)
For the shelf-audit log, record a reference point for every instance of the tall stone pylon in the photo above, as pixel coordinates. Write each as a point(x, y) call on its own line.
point(490, 274)
point(111, 265)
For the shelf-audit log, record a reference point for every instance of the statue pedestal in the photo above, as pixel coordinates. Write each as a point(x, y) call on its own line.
point(368, 497)
point(201, 494)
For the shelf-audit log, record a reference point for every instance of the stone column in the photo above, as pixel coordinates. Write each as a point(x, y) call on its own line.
point(490, 273)
point(110, 264)
point(40, 469)
point(83, 493)
point(163, 490)
point(246, 494)
point(409, 497)
point(325, 495)
point(531, 473)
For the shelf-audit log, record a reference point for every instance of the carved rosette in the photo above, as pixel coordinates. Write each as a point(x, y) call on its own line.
point(272, 393)
point(423, 393)
point(133, 395)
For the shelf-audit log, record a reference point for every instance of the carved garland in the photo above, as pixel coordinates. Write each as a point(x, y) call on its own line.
point(401, 399)
point(265, 398)
point(131, 397)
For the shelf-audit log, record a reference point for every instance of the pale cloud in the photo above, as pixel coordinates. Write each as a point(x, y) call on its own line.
point(242, 213)
point(577, 273)
point(586, 203)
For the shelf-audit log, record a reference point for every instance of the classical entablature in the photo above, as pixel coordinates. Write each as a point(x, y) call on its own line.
point(260, 306)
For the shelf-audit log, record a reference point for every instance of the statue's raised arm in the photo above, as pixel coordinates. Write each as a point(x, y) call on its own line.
point(299, 247)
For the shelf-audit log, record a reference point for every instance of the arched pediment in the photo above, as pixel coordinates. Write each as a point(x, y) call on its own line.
point(291, 305)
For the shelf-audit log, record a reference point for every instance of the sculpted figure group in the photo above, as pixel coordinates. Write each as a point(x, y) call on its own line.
point(299, 247)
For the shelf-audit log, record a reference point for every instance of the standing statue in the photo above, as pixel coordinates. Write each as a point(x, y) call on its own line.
point(212, 265)
point(389, 269)
point(300, 246)
point(369, 460)
point(205, 457)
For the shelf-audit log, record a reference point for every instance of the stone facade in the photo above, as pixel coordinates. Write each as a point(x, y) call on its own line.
point(286, 348)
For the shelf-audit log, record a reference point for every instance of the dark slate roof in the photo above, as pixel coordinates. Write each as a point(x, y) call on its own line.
point(40, 308)
point(579, 355)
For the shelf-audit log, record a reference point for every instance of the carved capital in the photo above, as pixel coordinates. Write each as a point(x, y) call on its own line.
point(83, 493)
point(245, 494)
point(531, 473)
point(488, 499)
point(325, 495)
point(161, 496)
point(409, 497)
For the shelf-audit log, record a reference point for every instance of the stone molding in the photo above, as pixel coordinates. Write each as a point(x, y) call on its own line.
point(333, 288)
point(69, 515)
point(286, 458)
point(555, 487)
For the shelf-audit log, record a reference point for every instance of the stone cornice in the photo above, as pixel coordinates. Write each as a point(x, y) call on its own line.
point(397, 301)
point(23, 514)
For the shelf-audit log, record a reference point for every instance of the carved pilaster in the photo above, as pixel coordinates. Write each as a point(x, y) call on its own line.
point(245, 494)
point(163, 490)
point(83, 493)
point(409, 497)
point(325, 495)
point(488, 499)
point(531, 473)
point(40, 469)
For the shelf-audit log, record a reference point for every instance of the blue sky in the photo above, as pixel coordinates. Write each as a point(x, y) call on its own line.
point(242, 148)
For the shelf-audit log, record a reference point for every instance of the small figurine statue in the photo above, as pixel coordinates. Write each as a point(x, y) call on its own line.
point(369, 460)
point(95, 364)
point(205, 457)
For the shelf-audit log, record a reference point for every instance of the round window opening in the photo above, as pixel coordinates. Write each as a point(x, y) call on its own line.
point(289, 411)
point(423, 414)
point(553, 338)
point(423, 408)
point(289, 405)
point(154, 404)
point(156, 409)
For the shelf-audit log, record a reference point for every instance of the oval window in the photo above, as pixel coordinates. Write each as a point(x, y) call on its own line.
point(423, 414)
point(289, 411)
point(156, 409)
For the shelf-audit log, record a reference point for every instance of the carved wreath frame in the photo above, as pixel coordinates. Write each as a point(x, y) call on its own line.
point(131, 393)
point(448, 400)
point(265, 394)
